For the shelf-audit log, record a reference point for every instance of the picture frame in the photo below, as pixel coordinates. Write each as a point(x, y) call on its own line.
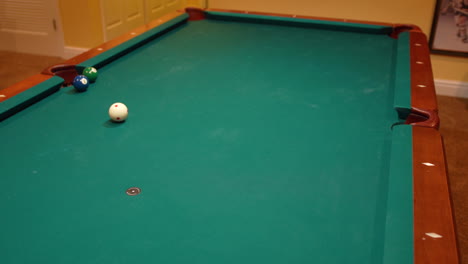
point(449, 33)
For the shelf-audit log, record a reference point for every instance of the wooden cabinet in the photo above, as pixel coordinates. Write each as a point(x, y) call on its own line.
point(120, 16)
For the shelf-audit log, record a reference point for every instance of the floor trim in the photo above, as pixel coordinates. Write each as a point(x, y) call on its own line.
point(70, 52)
point(451, 88)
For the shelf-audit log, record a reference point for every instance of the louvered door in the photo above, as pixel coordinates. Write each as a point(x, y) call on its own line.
point(30, 26)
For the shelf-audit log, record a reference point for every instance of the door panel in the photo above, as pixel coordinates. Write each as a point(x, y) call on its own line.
point(154, 9)
point(196, 3)
point(121, 16)
point(134, 10)
point(134, 14)
point(112, 14)
point(158, 8)
point(171, 4)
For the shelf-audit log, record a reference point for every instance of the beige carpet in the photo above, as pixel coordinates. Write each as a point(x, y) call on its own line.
point(15, 67)
point(453, 114)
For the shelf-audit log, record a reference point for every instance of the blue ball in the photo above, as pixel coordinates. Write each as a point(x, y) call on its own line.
point(81, 83)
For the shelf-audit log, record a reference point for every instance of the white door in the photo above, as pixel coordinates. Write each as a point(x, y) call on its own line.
point(154, 9)
point(157, 8)
point(31, 26)
point(121, 16)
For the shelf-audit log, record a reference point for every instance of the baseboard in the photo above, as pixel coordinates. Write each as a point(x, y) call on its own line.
point(451, 88)
point(70, 52)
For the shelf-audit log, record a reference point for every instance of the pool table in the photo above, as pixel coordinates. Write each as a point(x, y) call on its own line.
point(251, 138)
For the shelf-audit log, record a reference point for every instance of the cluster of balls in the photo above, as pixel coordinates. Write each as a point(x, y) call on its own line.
point(118, 112)
point(81, 82)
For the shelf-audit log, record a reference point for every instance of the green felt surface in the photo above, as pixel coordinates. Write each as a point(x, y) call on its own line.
point(250, 143)
point(402, 78)
point(398, 247)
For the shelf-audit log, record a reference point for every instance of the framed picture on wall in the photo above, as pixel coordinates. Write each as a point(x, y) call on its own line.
point(449, 34)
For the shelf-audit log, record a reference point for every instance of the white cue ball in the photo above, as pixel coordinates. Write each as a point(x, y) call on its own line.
point(118, 112)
